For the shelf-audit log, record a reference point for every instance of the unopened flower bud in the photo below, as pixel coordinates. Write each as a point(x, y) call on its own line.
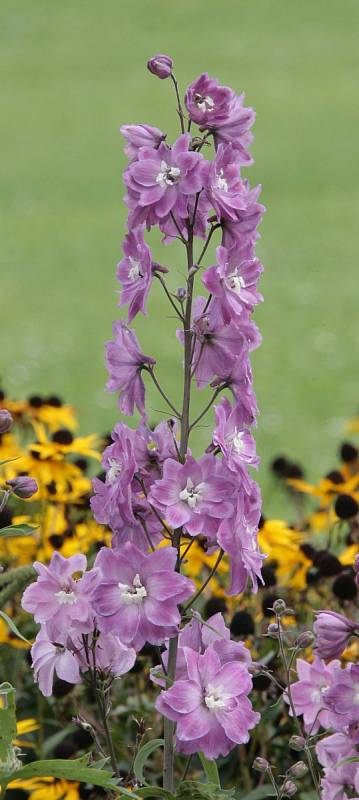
point(255, 669)
point(305, 639)
point(23, 487)
point(160, 65)
point(181, 294)
point(289, 789)
point(298, 770)
point(297, 743)
point(273, 630)
point(260, 764)
point(279, 607)
point(6, 420)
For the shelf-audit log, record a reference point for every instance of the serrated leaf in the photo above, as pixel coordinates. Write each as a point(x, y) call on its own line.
point(18, 530)
point(267, 790)
point(143, 755)
point(211, 769)
point(11, 624)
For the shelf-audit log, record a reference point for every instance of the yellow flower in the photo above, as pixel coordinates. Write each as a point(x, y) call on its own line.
point(24, 727)
point(47, 788)
point(326, 490)
point(53, 414)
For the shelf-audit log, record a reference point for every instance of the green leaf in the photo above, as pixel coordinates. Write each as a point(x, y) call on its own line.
point(143, 755)
point(267, 790)
point(211, 769)
point(154, 791)
point(18, 530)
point(7, 460)
point(72, 770)
point(11, 624)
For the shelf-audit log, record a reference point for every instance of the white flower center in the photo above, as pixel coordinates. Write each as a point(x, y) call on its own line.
point(168, 176)
point(134, 594)
point(66, 597)
point(115, 469)
point(235, 282)
point(221, 182)
point(215, 697)
point(204, 103)
point(135, 271)
point(356, 696)
point(237, 441)
point(316, 694)
point(192, 494)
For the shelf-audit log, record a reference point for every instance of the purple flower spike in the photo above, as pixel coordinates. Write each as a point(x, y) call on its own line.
point(124, 362)
point(197, 494)
point(135, 273)
point(160, 65)
point(333, 632)
point(162, 181)
point(50, 657)
point(211, 708)
point(138, 594)
point(62, 595)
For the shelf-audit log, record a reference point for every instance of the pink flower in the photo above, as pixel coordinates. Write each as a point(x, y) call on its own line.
point(140, 136)
point(53, 657)
point(309, 693)
point(62, 595)
point(138, 594)
point(235, 129)
point(225, 190)
point(338, 776)
point(162, 181)
point(238, 536)
point(230, 434)
point(332, 631)
point(342, 695)
point(197, 494)
point(211, 707)
point(125, 362)
point(219, 348)
point(233, 281)
point(207, 102)
point(135, 273)
point(112, 656)
point(244, 229)
point(112, 503)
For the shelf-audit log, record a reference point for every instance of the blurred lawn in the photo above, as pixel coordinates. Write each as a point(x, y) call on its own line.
point(72, 73)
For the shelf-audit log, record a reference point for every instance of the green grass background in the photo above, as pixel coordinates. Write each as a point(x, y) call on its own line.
point(71, 74)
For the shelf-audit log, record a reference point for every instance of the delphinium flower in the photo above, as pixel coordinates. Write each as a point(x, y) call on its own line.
point(135, 273)
point(62, 594)
point(138, 136)
point(333, 631)
point(340, 774)
point(211, 707)
point(138, 594)
point(125, 362)
point(310, 691)
point(54, 657)
point(341, 697)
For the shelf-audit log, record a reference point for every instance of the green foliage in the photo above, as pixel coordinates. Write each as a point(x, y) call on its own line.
point(8, 760)
point(18, 530)
point(12, 626)
point(143, 755)
point(211, 770)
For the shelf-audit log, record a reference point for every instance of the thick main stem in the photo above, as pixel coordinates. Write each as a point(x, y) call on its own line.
point(169, 727)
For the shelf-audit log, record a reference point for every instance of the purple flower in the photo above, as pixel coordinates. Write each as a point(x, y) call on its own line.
point(225, 190)
point(308, 693)
point(218, 347)
point(197, 494)
point(331, 752)
point(53, 657)
point(124, 362)
point(243, 230)
point(135, 273)
point(342, 696)
point(211, 708)
point(238, 537)
point(112, 503)
point(6, 421)
point(235, 130)
point(230, 434)
point(140, 136)
point(160, 65)
point(199, 635)
point(112, 656)
point(233, 281)
point(23, 487)
point(207, 102)
point(62, 595)
point(138, 594)
point(333, 632)
point(162, 181)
